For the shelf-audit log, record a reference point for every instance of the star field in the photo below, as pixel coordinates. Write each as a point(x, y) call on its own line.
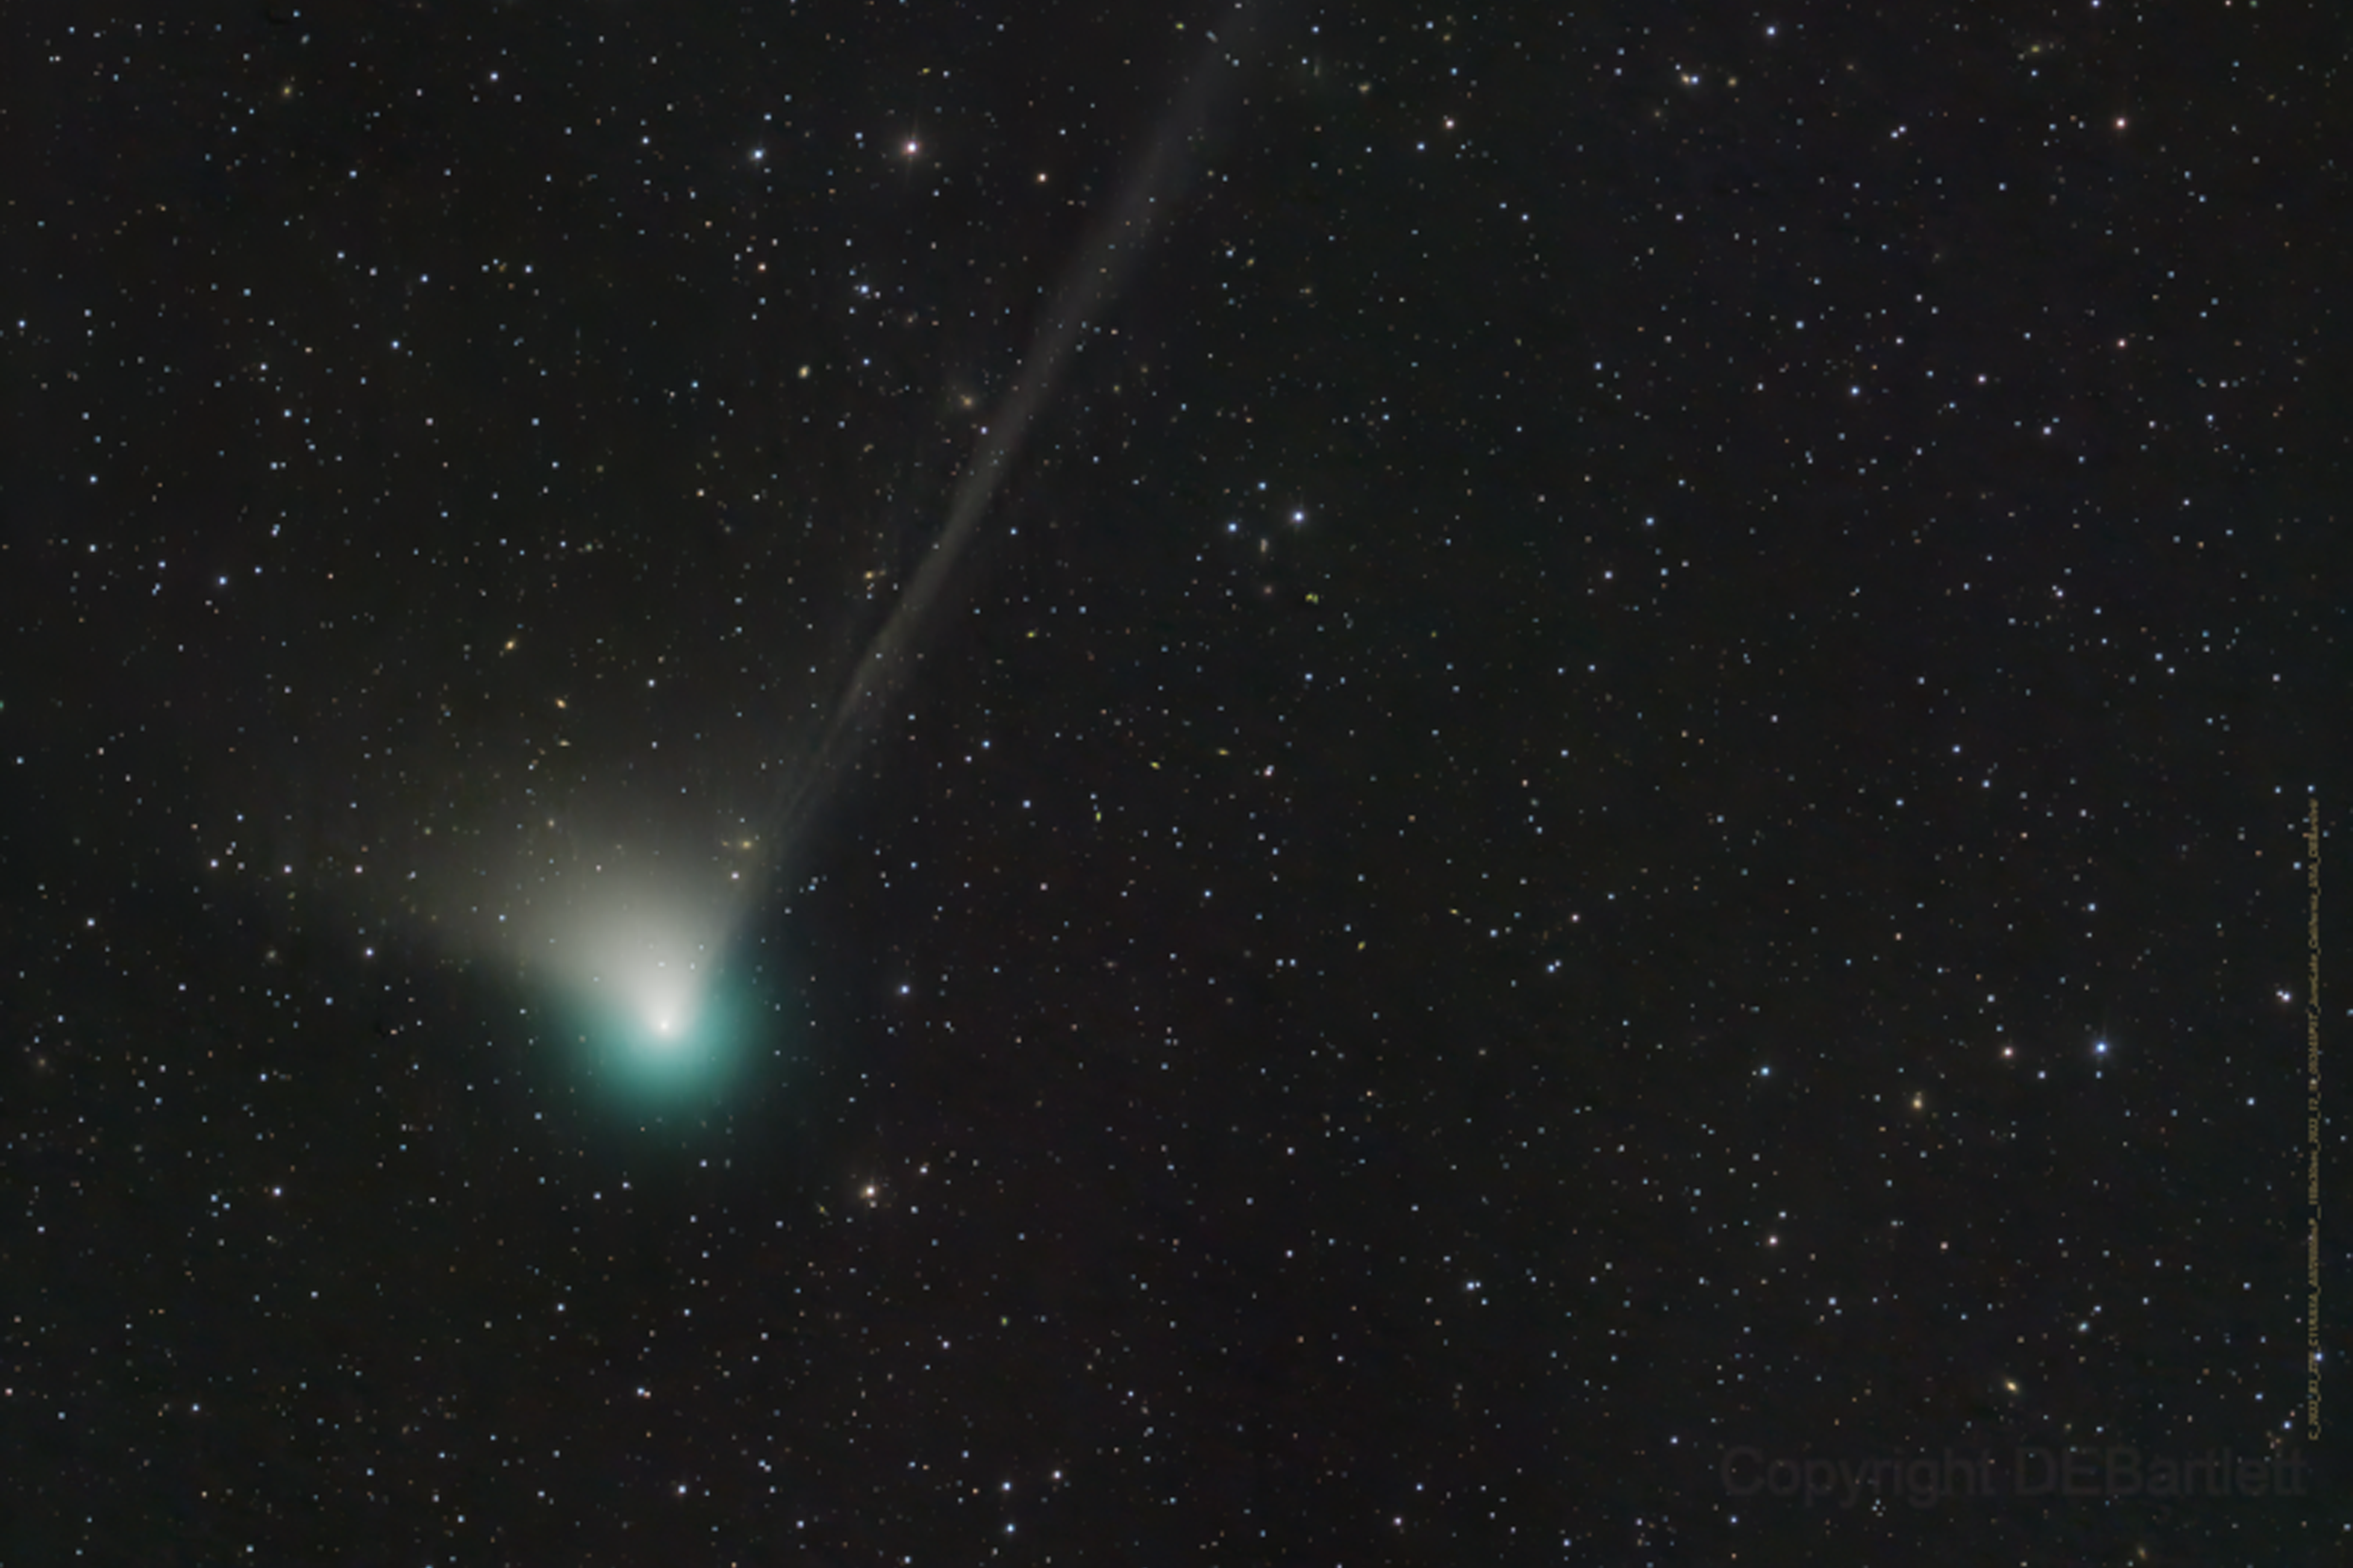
point(878, 784)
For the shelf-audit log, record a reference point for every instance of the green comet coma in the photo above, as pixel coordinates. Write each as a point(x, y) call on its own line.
point(671, 1052)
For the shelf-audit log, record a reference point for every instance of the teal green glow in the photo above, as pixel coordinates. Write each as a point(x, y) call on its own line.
point(661, 1008)
point(670, 1050)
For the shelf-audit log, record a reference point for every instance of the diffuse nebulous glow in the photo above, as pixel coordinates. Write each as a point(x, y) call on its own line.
point(639, 969)
point(637, 958)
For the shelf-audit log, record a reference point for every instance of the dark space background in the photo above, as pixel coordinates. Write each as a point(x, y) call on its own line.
point(1623, 775)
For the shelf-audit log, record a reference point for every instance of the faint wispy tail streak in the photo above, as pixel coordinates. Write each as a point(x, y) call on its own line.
point(1088, 289)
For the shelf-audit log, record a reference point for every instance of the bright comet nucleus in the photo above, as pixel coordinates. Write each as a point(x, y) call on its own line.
point(639, 977)
point(663, 989)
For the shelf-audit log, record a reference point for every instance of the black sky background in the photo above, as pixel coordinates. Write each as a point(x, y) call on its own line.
point(1627, 648)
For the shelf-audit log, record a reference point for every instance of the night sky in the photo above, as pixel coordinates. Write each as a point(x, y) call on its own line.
point(895, 784)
